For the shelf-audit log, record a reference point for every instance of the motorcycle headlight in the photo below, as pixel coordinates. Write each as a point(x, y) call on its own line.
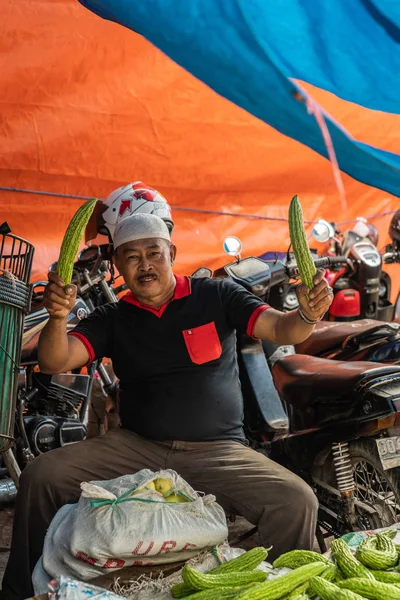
point(382, 290)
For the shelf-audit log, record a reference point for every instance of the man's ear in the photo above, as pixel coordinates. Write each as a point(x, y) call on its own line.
point(172, 253)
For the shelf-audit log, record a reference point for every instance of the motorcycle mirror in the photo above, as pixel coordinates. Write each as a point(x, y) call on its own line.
point(394, 228)
point(5, 228)
point(232, 246)
point(323, 231)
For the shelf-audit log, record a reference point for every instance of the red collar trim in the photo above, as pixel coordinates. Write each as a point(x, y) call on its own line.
point(183, 288)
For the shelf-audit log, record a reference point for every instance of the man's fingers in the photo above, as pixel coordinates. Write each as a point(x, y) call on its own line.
point(324, 302)
point(57, 299)
point(320, 292)
point(320, 287)
point(64, 293)
point(55, 290)
point(54, 278)
point(302, 289)
point(71, 290)
point(318, 277)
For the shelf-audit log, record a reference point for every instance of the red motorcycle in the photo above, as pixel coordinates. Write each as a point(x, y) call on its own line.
point(362, 289)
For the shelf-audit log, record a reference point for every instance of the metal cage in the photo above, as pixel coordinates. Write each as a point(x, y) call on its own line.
point(16, 256)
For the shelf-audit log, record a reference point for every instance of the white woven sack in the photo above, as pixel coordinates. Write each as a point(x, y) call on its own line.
point(110, 528)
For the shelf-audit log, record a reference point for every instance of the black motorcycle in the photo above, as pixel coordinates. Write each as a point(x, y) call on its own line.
point(335, 423)
point(45, 412)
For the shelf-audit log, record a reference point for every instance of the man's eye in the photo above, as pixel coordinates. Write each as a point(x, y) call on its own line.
point(155, 254)
point(133, 257)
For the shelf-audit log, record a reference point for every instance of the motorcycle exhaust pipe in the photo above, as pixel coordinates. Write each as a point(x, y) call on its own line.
point(8, 491)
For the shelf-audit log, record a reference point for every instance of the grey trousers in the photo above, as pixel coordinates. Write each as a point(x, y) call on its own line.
point(244, 481)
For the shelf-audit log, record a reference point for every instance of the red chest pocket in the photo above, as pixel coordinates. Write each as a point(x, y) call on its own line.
point(203, 343)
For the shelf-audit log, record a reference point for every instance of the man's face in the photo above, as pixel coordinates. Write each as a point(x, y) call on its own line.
point(146, 266)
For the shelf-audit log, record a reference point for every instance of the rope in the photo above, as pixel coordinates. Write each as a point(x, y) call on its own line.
point(313, 108)
point(126, 497)
point(194, 210)
point(11, 276)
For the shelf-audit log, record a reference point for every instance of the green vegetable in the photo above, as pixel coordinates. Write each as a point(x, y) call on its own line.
point(72, 239)
point(339, 575)
point(375, 590)
point(298, 592)
point(330, 573)
point(329, 591)
point(347, 563)
point(279, 587)
point(386, 576)
point(298, 558)
point(247, 561)
point(390, 533)
point(298, 239)
point(377, 552)
point(205, 581)
point(225, 593)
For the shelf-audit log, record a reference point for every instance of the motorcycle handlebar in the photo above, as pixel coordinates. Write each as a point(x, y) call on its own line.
point(327, 261)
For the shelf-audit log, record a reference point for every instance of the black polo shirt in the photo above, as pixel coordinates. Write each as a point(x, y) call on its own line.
point(177, 364)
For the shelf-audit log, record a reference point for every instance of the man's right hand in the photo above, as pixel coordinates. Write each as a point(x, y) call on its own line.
point(58, 299)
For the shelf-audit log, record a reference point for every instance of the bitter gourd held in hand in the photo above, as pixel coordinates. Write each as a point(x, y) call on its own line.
point(299, 243)
point(72, 239)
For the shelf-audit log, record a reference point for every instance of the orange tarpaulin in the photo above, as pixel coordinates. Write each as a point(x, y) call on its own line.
point(87, 106)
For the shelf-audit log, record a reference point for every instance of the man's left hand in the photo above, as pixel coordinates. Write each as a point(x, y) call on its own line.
point(320, 297)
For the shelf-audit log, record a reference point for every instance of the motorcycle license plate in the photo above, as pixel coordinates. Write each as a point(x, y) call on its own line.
point(389, 451)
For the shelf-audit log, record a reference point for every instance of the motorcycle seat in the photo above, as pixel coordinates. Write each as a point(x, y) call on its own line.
point(327, 335)
point(301, 380)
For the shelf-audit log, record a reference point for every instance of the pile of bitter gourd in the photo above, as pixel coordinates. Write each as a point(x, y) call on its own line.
point(372, 573)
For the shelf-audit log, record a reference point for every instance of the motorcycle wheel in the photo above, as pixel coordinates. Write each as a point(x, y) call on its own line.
point(378, 488)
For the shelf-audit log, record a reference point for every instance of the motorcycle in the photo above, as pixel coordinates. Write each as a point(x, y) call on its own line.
point(51, 411)
point(334, 423)
point(362, 289)
point(348, 337)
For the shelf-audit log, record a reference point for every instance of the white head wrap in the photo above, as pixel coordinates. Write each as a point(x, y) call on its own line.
point(140, 227)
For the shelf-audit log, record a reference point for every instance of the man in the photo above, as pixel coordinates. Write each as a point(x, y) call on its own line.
point(172, 341)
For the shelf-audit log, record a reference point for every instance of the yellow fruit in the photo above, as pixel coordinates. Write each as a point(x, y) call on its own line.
point(175, 498)
point(149, 486)
point(162, 485)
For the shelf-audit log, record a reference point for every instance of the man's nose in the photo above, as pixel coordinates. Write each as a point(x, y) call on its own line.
point(144, 264)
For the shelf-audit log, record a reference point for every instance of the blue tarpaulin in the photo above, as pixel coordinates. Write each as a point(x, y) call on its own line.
point(247, 50)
